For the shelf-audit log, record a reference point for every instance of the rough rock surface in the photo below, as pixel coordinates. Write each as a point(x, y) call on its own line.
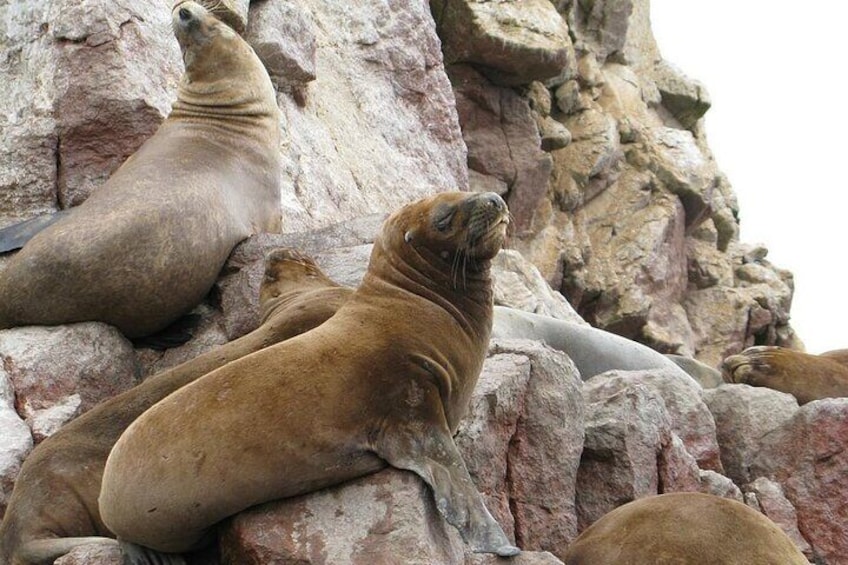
point(808, 455)
point(743, 415)
point(565, 108)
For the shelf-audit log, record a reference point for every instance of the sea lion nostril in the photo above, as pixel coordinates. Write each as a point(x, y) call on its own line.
point(184, 14)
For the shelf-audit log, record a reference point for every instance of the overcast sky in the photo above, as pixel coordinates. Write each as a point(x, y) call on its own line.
point(778, 126)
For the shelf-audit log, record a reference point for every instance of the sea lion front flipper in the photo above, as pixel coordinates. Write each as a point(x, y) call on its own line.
point(15, 236)
point(135, 554)
point(433, 456)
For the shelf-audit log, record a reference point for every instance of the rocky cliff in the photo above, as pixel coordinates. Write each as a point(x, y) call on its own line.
point(568, 110)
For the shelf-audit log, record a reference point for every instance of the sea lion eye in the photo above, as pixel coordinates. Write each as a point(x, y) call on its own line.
point(444, 218)
point(407, 237)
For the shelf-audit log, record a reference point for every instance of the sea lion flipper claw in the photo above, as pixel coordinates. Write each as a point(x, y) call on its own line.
point(435, 458)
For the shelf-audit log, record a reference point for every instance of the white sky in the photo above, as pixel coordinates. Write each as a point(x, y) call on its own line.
point(778, 126)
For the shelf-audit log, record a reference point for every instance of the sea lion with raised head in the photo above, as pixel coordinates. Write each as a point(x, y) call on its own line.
point(384, 381)
point(146, 246)
point(806, 377)
point(685, 529)
point(53, 507)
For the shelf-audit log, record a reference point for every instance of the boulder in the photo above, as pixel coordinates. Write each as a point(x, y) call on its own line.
point(62, 371)
point(807, 455)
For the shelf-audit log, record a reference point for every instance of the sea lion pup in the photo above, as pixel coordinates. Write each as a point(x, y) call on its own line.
point(385, 380)
point(147, 246)
point(53, 507)
point(806, 377)
point(684, 529)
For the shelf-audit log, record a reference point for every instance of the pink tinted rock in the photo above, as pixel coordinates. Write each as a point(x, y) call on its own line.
point(371, 520)
point(772, 502)
point(677, 469)
point(808, 456)
point(521, 441)
point(129, 47)
point(524, 558)
point(503, 141)
point(49, 365)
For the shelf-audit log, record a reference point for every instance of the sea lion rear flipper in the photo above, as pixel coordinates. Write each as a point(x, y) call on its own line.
point(135, 554)
point(15, 236)
point(435, 458)
point(50, 549)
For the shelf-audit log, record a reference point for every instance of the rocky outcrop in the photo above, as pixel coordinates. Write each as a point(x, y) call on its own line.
point(566, 109)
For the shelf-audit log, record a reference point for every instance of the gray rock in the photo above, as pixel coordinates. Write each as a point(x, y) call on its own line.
point(773, 503)
point(743, 416)
point(15, 440)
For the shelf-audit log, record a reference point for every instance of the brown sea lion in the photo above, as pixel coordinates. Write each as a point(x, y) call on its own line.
point(683, 529)
point(806, 377)
point(385, 380)
point(53, 506)
point(147, 246)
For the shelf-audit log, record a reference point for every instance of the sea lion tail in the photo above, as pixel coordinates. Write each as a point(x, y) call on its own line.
point(15, 236)
point(48, 550)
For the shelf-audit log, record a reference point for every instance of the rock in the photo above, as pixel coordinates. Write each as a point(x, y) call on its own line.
point(686, 99)
point(521, 441)
point(625, 433)
point(519, 284)
point(512, 41)
point(378, 127)
point(719, 485)
point(677, 469)
point(129, 47)
point(15, 440)
point(773, 503)
point(807, 455)
point(363, 521)
point(689, 417)
point(283, 37)
point(503, 141)
point(62, 371)
point(593, 152)
point(743, 416)
point(684, 170)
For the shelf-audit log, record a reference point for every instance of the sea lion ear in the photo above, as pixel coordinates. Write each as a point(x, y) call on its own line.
point(407, 237)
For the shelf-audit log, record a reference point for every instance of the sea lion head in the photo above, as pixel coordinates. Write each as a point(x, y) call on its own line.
point(211, 49)
point(739, 368)
point(454, 225)
point(287, 270)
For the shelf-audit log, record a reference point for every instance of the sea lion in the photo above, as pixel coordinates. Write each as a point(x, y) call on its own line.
point(707, 377)
point(684, 529)
point(146, 246)
point(53, 507)
point(384, 381)
point(806, 377)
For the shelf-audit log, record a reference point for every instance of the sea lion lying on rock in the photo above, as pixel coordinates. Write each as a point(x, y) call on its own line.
point(53, 507)
point(684, 529)
point(147, 246)
point(806, 377)
point(385, 380)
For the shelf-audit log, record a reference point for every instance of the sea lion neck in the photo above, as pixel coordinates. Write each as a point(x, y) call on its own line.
point(468, 299)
